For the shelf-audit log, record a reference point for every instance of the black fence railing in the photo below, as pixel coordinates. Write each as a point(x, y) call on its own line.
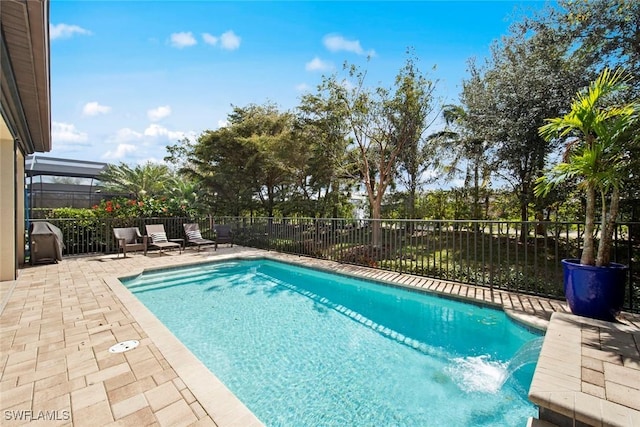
point(516, 256)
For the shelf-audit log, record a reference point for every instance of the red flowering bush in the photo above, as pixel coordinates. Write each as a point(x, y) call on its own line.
point(147, 207)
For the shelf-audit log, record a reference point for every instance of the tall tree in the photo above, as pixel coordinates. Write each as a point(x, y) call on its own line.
point(324, 129)
point(464, 147)
point(602, 33)
point(371, 116)
point(412, 112)
point(252, 164)
point(528, 79)
point(268, 135)
point(219, 161)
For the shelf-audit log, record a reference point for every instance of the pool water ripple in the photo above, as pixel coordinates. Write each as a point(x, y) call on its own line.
point(301, 347)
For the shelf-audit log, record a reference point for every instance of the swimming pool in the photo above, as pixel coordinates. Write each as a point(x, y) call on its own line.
point(306, 347)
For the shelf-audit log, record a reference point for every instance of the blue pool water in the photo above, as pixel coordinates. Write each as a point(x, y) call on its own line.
point(302, 347)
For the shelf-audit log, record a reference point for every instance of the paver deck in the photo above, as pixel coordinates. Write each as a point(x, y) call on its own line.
point(58, 321)
point(588, 371)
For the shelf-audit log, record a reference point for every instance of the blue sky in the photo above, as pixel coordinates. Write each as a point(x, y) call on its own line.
point(130, 77)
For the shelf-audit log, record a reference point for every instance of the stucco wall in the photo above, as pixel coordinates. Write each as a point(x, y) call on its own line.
point(20, 208)
point(8, 256)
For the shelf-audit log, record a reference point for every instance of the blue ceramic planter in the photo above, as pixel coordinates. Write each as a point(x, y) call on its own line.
point(596, 292)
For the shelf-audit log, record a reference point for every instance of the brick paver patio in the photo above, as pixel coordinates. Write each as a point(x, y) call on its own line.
point(58, 322)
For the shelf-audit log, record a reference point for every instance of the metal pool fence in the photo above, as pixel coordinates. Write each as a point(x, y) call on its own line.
point(516, 256)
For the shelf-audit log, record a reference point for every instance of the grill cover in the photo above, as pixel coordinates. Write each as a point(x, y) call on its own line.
point(45, 243)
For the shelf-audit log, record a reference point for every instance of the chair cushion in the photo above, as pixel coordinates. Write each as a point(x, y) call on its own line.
point(160, 237)
point(194, 235)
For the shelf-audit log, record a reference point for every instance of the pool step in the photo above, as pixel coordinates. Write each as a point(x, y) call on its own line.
point(167, 283)
point(166, 275)
point(166, 278)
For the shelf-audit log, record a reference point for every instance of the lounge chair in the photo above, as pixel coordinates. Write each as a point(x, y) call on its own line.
point(130, 239)
point(159, 238)
point(224, 234)
point(194, 237)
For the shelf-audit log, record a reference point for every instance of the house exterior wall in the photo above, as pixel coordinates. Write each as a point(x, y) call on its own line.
point(25, 119)
point(20, 208)
point(8, 218)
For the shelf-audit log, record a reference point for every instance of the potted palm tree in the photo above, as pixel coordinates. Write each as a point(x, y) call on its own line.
point(598, 134)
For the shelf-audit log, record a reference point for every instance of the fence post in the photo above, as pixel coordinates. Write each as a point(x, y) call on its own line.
point(491, 259)
point(107, 241)
point(630, 241)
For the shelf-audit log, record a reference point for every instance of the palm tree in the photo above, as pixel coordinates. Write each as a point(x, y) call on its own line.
point(468, 150)
point(189, 193)
point(145, 180)
point(597, 155)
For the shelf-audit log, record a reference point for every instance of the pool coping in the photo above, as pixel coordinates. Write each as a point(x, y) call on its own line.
point(588, 372)
point(223, 406)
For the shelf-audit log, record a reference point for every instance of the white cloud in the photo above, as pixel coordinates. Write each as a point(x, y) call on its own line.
point(303, 87)
point(336, 43)
point(181, 40)
point(134, 146)
point(93, 109)
point(229, 40)
point(159, 113)
point(347, 84)
point(120, 152)
point(124, 135)
point(66, 132)
point(64, 31)
point(317, 64)
point(153, 132)
point(223, 123)
point(156, 131)
point(209, 39)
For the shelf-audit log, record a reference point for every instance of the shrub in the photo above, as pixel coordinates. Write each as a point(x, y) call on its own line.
point(147, 207)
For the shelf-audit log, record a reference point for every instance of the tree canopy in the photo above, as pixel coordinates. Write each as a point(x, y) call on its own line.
point(349, 136)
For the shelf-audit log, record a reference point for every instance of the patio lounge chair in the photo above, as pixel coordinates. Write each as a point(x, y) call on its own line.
point(194, 237)
point(130, 239)
point(159, 238)
point(224, 234)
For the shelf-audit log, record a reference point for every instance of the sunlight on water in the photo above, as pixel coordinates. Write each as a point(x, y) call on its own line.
point(478, 374)
point(302, 347)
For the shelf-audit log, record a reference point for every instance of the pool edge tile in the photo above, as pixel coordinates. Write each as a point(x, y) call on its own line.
point(216, 399)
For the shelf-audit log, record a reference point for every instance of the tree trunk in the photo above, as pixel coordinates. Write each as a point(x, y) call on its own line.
point(411, 209)
point(476, 192)
point(334, 198)
point(587, 257)
point(524, 217)
point(608, 227)
point(376, 226)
